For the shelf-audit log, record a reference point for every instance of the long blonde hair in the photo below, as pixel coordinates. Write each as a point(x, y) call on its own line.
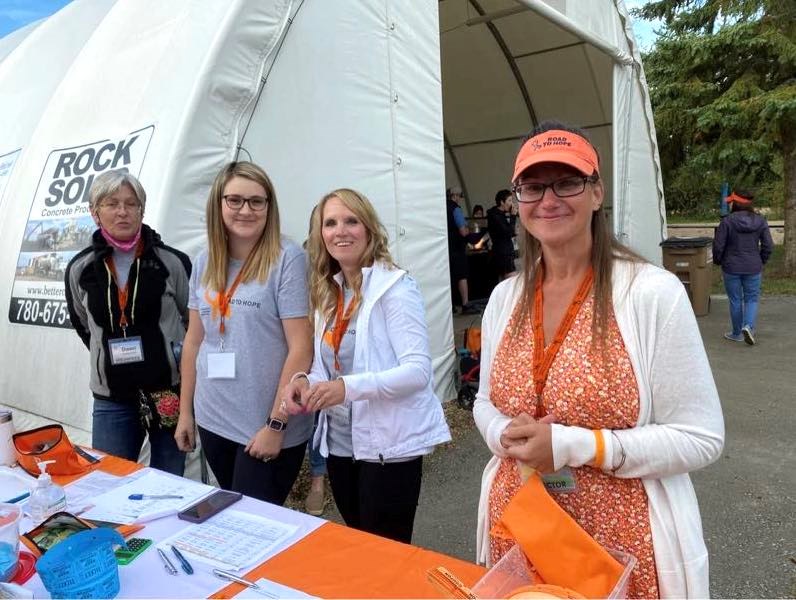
point(266, 250)
point(604, 250)
point(323, 268)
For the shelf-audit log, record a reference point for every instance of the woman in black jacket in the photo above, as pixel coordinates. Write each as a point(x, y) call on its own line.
point(127, 296)
point(741, 246)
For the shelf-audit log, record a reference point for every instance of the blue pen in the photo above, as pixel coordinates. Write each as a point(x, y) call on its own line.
point(152, 496)
point(186, 566)
point(19, 498)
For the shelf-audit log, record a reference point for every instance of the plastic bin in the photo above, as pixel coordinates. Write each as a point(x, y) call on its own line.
point(691, 259)
point(514, 571)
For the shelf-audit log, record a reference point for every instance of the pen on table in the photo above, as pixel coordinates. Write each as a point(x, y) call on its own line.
point(186, 566)
point(19, 498)
point(153, 496)
point(170, 568)
point(232, 577)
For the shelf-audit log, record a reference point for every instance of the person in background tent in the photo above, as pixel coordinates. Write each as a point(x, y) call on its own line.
point(502, 224)
point(248, 333)
point(371, 376)
point(127, 296)
point(478, 212)
point(742, 246)
point(458, 235)
point(582, 359)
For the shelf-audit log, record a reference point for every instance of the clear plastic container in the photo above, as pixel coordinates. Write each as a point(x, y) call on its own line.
point(514, 571)
point(10, 515)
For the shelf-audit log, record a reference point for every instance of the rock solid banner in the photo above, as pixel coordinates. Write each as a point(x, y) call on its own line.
point(60, 225)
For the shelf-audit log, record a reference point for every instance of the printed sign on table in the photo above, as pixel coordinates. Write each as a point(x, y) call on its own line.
point(60, 224)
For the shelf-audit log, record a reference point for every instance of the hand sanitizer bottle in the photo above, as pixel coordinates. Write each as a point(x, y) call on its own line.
point(47, 497)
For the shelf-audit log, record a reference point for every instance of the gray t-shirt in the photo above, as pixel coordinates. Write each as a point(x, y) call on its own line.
point(237, 408)
point(339, 417)
point(122, 261)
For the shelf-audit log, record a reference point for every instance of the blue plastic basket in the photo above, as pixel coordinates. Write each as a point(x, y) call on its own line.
point(82, 566)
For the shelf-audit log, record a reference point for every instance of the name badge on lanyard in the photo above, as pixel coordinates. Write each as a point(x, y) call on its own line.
point(126, 350)
point(562, 481)
point(221, 365)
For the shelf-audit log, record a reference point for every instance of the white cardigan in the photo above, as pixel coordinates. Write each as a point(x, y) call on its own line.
point(680, 425)
point(394, 411)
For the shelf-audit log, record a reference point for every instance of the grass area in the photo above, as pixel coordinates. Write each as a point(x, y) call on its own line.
point(706, 217)
point(775, 281)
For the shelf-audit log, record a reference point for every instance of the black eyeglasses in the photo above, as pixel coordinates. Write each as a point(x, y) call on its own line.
point(235, 202)
point(531, 192)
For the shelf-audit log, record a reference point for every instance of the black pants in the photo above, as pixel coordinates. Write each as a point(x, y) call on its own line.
point(235, 470)
point(376, 498)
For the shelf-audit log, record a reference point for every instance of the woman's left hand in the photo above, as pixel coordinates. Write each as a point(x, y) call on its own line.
point(323, 395)
point(266, 444)
point(535, 447)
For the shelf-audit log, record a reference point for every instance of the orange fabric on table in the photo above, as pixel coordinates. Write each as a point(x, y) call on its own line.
point(587, 390)
point(109, 464)
point(337, 562)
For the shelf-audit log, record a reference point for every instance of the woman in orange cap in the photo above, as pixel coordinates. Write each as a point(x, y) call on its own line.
point(583, 354)
point(741, 246)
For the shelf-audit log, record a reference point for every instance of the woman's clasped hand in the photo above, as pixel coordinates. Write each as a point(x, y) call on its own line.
point(530, 441)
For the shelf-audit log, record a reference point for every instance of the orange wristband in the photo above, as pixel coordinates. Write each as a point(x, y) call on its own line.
point(599, 454)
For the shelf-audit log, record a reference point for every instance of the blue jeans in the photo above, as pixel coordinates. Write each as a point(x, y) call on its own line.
point(317, 461)
point(117, 430)
point(743, 293)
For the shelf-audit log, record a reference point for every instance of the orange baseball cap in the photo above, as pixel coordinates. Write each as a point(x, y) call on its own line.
point(557, 146)
point(736, 199)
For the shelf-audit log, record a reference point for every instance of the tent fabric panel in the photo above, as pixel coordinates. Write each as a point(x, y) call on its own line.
point(140, 86)
point(343, 138)
point(529, 32)
point(564, 85)
point(241, 45)
point(421, 246)
point(478, 82)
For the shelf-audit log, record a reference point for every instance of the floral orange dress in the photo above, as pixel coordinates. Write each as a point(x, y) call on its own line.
point(585, 388)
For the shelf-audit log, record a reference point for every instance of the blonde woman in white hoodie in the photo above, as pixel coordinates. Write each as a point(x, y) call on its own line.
point(371, 376)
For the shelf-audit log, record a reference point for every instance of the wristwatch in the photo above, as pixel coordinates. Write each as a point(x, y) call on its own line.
point(276, 424)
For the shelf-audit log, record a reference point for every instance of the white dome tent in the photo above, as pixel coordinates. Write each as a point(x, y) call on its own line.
point(323, 95)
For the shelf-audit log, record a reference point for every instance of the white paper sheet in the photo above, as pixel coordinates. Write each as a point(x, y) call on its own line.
point(81, 494)
point(272, 589)
point(231, 538)
point(116, 507)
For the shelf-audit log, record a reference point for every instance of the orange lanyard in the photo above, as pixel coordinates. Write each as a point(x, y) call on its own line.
point(342, 318)
point(220, 304)
point(543, 357)
point(122, 293)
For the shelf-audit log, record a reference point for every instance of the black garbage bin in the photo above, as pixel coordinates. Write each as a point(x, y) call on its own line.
point(691, 260)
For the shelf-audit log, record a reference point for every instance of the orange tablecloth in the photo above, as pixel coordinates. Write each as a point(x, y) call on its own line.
point(335, 561)
point(338, 562)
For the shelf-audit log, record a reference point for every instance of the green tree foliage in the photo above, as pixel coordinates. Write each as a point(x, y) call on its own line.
point(722, 80)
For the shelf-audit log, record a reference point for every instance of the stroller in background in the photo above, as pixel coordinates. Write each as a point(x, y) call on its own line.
point(469, 365)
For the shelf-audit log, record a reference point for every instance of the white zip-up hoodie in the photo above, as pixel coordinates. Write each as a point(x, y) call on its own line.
point(680, 425)
point(394, 411)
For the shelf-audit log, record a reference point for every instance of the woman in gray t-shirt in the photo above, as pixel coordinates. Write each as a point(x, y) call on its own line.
point(248, 333)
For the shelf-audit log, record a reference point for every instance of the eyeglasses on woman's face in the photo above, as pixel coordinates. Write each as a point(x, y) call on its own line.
point(566, 187)
point(256, 203)
point(114, 205)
